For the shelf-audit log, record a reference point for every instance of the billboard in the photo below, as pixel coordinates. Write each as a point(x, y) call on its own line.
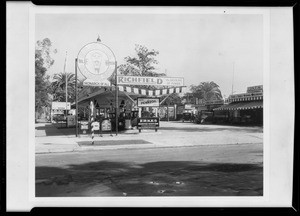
point(148, 102)
point(153, 81)
point(245, 95)
point(253, 89)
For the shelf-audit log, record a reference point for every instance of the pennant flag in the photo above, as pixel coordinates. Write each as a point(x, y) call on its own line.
point(128, 89)
point(150, 92)
point(157, 92)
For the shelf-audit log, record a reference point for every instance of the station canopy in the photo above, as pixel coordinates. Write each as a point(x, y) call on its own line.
point(105, 96)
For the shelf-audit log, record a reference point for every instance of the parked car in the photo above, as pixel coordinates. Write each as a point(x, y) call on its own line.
point(59, 117)
point(186, 117)
point(204, 117)
point(198, 119)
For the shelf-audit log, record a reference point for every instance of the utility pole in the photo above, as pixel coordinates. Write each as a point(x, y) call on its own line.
point(232, 79)
point(66, 83)
point(116, 98)
point(76, 99)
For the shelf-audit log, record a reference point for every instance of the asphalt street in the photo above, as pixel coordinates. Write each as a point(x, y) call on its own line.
point(181, 159)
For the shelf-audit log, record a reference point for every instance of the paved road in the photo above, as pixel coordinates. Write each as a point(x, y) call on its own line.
point(182, 159)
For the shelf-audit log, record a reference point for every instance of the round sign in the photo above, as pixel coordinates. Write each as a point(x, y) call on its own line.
point(96, 61)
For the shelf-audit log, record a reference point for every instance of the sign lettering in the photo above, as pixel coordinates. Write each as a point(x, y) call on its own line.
point(156, 81)
point(148, 102)
point(152, 122)
point(253, 89)
point(61, 105)
point(89, 82)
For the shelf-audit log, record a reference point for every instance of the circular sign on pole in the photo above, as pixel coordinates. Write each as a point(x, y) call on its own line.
point(96, 61)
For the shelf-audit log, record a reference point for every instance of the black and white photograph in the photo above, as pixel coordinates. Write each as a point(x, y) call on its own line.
point(149, 104)
point(154, 103)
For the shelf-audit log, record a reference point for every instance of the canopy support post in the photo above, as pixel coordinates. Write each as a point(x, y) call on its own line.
point(165, 98)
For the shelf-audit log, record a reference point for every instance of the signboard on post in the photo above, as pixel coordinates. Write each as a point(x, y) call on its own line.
point(61, 105)
point(154, 81)
point(188, 106)
point(96, 63)
point(71, 121)
point(148, 123)
point(106, 125)
point(95, 126)
point(148, 102)
point(84, 126)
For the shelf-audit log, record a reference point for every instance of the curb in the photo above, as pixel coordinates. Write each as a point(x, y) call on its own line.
point(137, 146)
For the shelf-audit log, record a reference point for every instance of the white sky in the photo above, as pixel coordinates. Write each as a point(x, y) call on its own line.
point(198, 47)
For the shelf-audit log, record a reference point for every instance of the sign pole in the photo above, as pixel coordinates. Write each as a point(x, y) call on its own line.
point(76, 99)
point(117, 103)
point(92, 120)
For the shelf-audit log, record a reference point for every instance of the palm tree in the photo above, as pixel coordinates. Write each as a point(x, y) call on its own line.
point(58, 86)
point(207, 91)
point(172, 99)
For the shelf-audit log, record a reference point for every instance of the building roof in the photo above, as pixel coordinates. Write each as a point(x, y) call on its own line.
point(242, 105)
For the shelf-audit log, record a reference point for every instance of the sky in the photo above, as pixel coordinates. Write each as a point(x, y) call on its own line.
point(224, 48)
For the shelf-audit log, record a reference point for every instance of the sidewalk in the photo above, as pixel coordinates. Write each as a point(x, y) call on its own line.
point(50, 139)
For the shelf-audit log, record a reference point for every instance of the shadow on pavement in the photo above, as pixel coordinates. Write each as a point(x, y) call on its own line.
point(55, 129)
point(165, 178)
point(204, 128)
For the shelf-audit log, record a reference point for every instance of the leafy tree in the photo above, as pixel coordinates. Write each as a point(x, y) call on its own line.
point(171, 99)
point(43, 61)
point(206, 91)
point(143, 64)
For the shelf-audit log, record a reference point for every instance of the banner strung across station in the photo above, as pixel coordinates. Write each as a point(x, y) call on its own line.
point(157, 92)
